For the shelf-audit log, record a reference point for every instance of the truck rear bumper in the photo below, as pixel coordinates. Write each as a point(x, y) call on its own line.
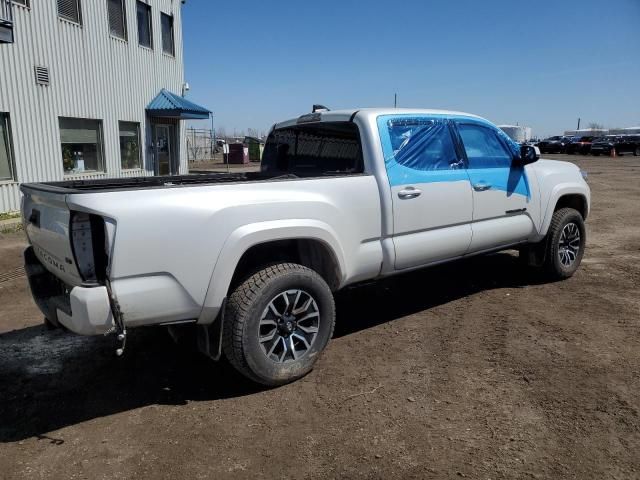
point(90, 311)
point(83, 310)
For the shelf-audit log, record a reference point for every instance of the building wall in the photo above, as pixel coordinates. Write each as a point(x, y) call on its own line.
point(92, 75)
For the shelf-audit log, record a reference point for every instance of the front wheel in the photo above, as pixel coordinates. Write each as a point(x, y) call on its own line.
point(636, 152)
point(277, 323)
point(565, 243)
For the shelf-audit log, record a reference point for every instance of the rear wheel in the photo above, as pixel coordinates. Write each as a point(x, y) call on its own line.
point(277, 323)
point(636, 152)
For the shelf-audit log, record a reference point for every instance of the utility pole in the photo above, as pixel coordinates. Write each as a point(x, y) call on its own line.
point(212, 146)
point(395, 100)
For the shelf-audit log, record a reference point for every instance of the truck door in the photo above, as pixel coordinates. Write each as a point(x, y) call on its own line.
point(431, 195)
point(501, 193)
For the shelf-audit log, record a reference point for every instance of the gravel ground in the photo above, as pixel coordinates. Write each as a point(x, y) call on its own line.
point(476, 369)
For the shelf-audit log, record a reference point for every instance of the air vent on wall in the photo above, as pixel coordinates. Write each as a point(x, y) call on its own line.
point(42, 75)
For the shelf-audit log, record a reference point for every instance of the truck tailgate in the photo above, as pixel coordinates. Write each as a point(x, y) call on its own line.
point(47, 223)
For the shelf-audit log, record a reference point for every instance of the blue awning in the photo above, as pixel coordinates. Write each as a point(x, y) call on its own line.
point(170, 105)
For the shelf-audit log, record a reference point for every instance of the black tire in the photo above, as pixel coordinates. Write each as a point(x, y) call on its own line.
point(595, 154)
point(50, 325)
point(249, 302)
point(553, 263)
point(636, 152)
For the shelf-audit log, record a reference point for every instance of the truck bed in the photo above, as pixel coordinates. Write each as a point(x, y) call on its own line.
point(135, 183)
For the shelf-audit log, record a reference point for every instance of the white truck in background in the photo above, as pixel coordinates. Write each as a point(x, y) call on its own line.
point(252, 259)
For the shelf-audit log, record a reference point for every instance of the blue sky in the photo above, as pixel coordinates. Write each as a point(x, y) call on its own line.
point(541, 63)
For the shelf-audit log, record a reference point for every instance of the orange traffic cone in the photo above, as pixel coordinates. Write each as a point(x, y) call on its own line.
point(612, 154)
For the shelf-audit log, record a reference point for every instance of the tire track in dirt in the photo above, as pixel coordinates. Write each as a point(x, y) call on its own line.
point(13, 274)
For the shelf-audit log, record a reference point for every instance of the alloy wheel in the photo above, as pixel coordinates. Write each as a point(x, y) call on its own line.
point(569, 244)
point(289, 325)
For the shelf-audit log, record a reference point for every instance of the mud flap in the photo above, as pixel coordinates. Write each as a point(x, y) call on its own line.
point(534, 255)
point(209, 337)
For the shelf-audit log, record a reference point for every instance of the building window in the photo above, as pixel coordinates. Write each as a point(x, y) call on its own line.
point(117, 18)
point(130, 145)
point(24, 3)
point(145, 32)
point(81, 141)
point(70, 10)
point(6, 162)
point(167, 33)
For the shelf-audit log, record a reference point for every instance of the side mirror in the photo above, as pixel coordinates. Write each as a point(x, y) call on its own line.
point(528, 154)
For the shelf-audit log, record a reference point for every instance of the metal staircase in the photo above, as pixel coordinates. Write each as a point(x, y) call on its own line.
point(6, 21)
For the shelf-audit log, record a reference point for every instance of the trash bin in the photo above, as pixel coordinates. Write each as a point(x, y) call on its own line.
point(254, 148)
point(238, 154)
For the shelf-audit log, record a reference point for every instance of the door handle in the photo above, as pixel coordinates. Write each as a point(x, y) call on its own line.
point(481, 187)
point(409, 192)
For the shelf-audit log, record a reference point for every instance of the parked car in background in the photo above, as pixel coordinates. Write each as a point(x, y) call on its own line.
point(555, 144)
point(579, 145)
point(628, 144)
point(604, 145)
point(220, 143)
point(622, 144)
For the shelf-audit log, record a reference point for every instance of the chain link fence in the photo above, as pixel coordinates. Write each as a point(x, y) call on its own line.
point(201, 146)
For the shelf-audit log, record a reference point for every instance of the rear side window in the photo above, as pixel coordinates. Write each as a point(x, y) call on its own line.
point(312, 150)
point(422, 143)
point(483, 147)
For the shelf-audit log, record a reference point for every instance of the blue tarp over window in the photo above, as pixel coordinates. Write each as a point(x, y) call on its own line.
point(167, 104)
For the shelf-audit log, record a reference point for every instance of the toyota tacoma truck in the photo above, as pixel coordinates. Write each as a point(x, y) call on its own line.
point(252, 260)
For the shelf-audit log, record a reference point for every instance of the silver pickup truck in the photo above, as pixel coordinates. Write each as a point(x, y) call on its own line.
point(252, 259)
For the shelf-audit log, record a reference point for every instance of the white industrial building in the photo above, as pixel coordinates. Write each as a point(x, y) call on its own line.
point(90, 89)
point(517, 133)
point(587, 132)
point(598, 132)
point(625, 131)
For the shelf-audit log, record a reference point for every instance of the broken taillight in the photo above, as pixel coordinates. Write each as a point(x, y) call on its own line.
point(89, 246)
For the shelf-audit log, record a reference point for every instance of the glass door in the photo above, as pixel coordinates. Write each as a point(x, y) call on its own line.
point(164, 157)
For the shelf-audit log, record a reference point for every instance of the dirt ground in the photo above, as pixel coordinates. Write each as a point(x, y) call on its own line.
point(477, 369)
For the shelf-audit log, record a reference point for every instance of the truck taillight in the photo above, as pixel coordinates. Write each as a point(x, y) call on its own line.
point(89, 246)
